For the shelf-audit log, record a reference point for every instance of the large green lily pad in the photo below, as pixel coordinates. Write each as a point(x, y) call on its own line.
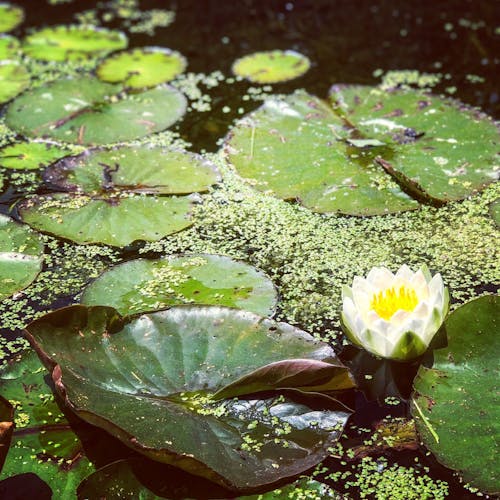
point(148, 481)
point(144, 67)
point(105, 195)
point(456, 404)
point(143, 285)
point(437, 149)
point(271, 67)
point(14, 78)
point(31, 155)
point(21, 256)
point(143, 169)
point(9, 47)
point(72, 43)
point(43, 441)
point(11, 16)
point(87, 111)
point(115, 220)
point(296, 148)
point(156, 381)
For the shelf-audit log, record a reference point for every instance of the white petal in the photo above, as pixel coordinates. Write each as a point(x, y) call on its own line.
point(362, 301)
point(380, 278)
point(377, 343)
point(436, 285)
point(422, 310)
point(400, 316)
point(346, 291)
point(404, 273)
point(420, 285)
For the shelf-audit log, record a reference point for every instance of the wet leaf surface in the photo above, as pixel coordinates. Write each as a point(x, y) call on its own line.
point(21, 256)
point(87, 111)
point(144, 67)
point(72, 43)
point(271, 67)
point(455, 403)
point(143, 285)
point(172, 367)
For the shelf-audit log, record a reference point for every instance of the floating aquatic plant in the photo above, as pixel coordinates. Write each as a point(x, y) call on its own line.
point(72, 43)
point(140, 68)
point(394, 316)
point(173, 368)
point(271, 67)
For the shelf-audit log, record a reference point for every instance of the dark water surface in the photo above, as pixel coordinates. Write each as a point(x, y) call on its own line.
point(347, 41)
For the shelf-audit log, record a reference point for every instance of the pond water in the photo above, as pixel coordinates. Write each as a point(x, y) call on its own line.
point(448, 47)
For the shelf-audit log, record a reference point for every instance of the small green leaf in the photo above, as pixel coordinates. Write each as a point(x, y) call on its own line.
point(31, 155)
point(11, 16)
point(72, 43)
point(140, 68)
point(14, 78)
point(271, 67)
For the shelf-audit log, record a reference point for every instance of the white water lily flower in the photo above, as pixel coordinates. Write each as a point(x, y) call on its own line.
point(395, 316)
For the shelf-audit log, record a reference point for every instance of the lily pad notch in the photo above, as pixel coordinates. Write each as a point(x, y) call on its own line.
point(368, 151)
point(120, 195)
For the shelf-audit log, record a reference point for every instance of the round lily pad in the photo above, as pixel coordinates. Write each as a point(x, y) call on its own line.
point(143, 285)
point(14, 78)
point(87, 111)
point(158, 382)
point(9, 47)
point(437, 149)
point(271, 67)
point(296, 147)
point(21, 256)
point(115, 220)
point(11, 16)
point(72, 43)
point(140, 169)
point(30, 155)
point(455, 403)
point(144, 67)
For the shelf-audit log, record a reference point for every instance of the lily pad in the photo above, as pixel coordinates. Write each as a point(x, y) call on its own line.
point(271, 67)
point(455, 403)
point(115, 220)
point(296, 148)
point(21, 256)
point(6, 428)
point(147, 480)
point(43, 443)
point(437, 149)
point(139, 169)
point(143, 285)
point(87, 111)
point(14, 78)
point(156, 382)
point(144, 67)
point(72, 43)
point(11, 16)
point(9, 47)
point(301, 489)
point(31, 155)
point(141, 479)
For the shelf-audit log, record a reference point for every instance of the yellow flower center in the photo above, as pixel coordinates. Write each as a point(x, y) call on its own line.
point(390, 300)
